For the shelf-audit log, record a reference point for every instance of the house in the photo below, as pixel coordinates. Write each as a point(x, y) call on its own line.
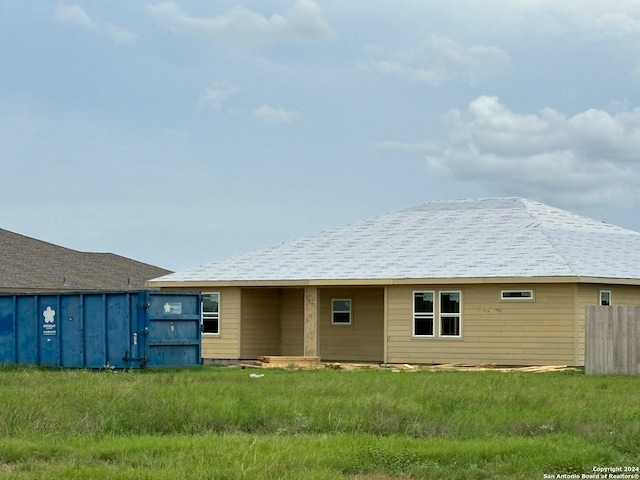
point(30, 265)
point(502, 281)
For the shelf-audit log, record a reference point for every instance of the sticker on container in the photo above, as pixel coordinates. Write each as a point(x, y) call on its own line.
point(174, 308)
point(49, 325)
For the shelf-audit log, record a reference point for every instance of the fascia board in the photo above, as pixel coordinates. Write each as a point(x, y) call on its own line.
point(388, 281)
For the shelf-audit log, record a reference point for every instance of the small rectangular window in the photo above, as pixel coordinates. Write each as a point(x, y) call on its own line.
point(450, 314)
point(341, 311)
point(605, 298)
point(423, 314)
point(516, 295)
point(211, 313)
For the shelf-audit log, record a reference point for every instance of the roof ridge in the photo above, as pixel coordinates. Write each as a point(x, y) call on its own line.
point(538, 224)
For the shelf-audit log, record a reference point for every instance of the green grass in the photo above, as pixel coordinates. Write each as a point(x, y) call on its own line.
point(221, 423)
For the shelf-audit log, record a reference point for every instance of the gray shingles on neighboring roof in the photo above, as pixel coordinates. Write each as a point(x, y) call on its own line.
point(505, 237)
point(29, 264)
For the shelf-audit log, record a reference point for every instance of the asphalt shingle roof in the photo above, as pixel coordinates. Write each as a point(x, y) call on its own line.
point(506, 237)
point(29, 264)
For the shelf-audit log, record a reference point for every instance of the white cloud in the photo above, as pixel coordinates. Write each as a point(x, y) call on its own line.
point(614, 17)
point(76, 15)
point(432, 76)
point(241, 25)
point(586, 159)
point(215, 95)
point(440, 60)
point(480, 60)
point(120, 35)
point(275, 115)
point(618, 24)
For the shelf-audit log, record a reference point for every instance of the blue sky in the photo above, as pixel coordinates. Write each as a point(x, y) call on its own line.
point(183, 132)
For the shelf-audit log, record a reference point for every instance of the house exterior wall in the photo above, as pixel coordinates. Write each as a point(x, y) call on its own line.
point(226, 344)
point(589, 294)
point(260, 325)
point(270, 321)
point(363, 339)
point(540, 331)
point(292, 321)
point(547, 330)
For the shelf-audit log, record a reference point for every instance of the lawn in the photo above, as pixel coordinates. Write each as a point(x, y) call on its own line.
point(225, 423)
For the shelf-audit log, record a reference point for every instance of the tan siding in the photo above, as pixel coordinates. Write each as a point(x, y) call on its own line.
point(260, 333)
point(589, 294)
point(292, 321)
point(586, 295)
point(226, 345)
point(497, 331)
point(363, 339)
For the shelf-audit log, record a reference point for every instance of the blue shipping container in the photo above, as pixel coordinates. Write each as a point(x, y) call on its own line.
point(101, 329)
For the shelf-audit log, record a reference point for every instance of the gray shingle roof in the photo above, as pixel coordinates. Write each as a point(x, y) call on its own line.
point(29, 264)
point(507, 237)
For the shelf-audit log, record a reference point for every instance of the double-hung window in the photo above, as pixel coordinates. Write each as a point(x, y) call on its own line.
point(423, 314)
point(450, 314)
point(211, 313)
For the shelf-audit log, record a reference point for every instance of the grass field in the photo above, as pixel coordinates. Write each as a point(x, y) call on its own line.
point(222, 423)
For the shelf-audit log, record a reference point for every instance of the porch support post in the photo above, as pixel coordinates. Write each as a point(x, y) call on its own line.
point(310, 322)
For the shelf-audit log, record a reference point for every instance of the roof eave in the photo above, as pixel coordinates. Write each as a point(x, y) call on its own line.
point(200, 284)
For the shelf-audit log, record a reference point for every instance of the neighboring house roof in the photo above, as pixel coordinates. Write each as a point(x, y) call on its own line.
point(482, 239)
point(29, 264)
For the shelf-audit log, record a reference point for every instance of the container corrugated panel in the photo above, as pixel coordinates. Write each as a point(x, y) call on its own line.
point(101, 329)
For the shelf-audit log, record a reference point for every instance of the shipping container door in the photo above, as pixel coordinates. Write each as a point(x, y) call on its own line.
point(21, 328)
point(71, 331)
point(7, 330)
point(174, 329)
point(137, 330)
point(95, 337)
point(27, 328)
point(119, 332)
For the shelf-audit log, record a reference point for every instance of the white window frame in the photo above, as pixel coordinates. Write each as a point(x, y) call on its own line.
point(334, 311)
point(442, 314)
point(210, 315)
point(507, 298)
point(608, 292)
point(424, 315)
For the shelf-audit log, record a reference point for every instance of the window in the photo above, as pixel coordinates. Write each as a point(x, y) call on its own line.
point(450, 314)
point(341, 312)
point(423, 314)
point(211, 313)
point(516, 295)
point(605, 298)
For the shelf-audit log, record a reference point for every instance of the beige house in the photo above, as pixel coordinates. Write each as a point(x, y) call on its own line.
point(502, 281)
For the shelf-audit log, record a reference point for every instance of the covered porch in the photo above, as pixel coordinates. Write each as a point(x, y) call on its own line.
point(332, 323)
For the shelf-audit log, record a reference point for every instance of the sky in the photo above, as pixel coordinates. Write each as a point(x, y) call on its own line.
point(179, 133)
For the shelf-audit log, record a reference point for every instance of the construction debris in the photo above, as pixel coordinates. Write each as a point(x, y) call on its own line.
point(543, 368)
point(289, 361)
point(306, 363)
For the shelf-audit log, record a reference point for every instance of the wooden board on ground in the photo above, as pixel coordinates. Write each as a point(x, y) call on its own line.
point(289, 361)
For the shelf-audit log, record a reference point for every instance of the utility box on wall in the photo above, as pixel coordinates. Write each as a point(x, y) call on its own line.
point(101, 329)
